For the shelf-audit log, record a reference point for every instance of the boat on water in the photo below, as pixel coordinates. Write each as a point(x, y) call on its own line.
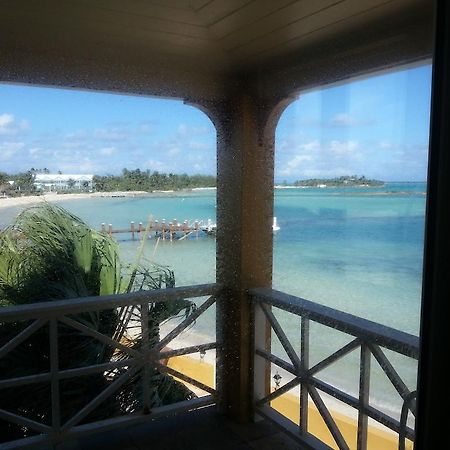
point(275, 226)
point(210, 228)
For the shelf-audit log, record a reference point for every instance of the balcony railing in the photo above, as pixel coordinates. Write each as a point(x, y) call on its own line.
point(369, 337)
point(67, 315)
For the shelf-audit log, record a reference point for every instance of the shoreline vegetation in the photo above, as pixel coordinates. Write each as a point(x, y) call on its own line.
point(155, 182)
point(343, 181)
point(31, 199)
point(19, 189)
point(128, 180)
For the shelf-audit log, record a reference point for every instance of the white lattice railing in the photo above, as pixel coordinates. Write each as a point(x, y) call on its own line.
point(369, 337)
point(141, 361)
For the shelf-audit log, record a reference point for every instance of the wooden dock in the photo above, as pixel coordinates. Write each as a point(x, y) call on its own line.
point(164, 230)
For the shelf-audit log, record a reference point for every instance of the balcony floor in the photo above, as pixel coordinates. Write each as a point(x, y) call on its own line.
point(203, 429)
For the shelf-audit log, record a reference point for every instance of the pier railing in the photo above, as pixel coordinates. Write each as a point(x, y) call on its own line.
point(58, 320)
point(165, 230)
point(369, 338)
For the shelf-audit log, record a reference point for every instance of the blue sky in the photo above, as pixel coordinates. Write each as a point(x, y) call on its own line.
point(377, 127)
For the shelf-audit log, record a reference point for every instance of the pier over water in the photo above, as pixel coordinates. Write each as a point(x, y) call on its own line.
point(173, 230)
point(165, 230)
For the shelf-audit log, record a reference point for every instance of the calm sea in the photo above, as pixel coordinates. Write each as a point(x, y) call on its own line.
point(358, 250)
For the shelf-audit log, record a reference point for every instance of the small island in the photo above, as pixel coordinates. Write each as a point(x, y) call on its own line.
point(343, 181)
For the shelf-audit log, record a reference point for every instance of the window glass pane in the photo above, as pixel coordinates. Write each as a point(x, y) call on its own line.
point(114, 159)
point(351, 167)
point(351, 181)
point(104, 194)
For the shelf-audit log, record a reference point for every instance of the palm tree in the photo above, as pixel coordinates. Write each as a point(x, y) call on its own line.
point(50, 254)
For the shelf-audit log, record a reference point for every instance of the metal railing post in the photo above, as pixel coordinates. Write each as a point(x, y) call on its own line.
point(364, 384)
point(54, 381)
point(145, 350)
point(304, 364)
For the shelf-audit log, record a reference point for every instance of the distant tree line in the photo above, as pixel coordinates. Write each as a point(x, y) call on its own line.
point(346, 180)
point(140, 180)
point(129, 180)
point(21, 183)
point(17, 184)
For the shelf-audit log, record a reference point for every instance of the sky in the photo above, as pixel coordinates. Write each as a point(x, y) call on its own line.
point(376, 127)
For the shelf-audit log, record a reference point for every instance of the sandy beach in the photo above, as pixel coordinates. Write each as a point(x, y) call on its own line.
point(289, 405)
point(203, 369)
point(7, 202)
point(52, 197)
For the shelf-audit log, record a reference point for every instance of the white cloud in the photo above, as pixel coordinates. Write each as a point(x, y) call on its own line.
point(145, 127)
point(314, 159)
point(122, 144)
point(385, 145)
point(199, 167)
point(153, 165)
point(108, 151)
point(10, 126)
point(73, 144)
point(84, 165)
point(110, 134)
point(184, 130)
point(310, 146)
point(196, 145)
point(6, 120)
point(174, 151)
point(302, 154)
point(294, 145)
point(347, 120)
point(9, 149)
point(325, 173)
point(77, 135)
point(293, 165)
point(343, 148)
point(34, 152)
point(343, 120)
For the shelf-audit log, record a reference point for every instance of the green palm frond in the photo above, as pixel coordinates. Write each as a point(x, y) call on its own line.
point(50, 254)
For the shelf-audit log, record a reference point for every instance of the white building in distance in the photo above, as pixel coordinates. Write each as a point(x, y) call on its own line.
point(63, 182)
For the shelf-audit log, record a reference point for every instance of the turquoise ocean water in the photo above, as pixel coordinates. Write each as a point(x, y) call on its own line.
point(359, 250)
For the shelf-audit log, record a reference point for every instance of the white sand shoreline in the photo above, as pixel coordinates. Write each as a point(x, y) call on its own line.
point(28, 200)
point(190, 338)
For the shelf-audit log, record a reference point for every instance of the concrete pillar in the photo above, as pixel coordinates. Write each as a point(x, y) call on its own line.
point(244, 252)
point(245, 164)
